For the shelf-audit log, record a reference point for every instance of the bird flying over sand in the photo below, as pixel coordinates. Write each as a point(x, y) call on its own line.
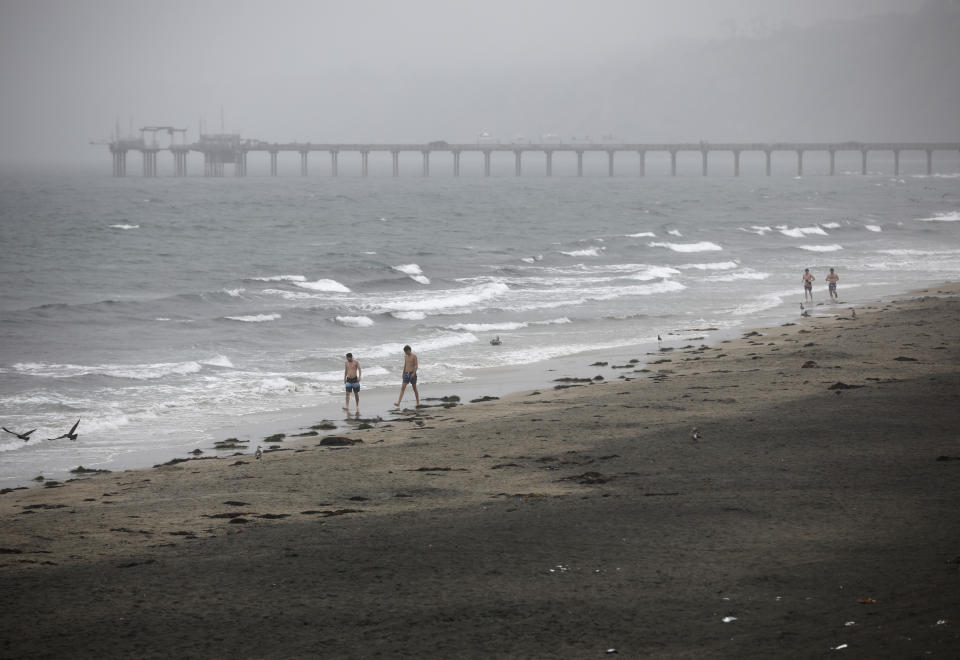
point(23, 436)
point(71, 434)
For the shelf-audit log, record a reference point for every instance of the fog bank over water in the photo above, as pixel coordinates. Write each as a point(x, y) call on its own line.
point(428, 70)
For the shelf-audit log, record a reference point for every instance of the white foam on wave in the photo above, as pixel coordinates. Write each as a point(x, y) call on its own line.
point(131, 371)
point(355, 321)
point(653, 273)
point(254, 318)
point(414, 272)
point(586, 252)
point(760, 303)
point(106, 422)
point(800, 232)
point(643, 234)
point(579, 270)
point(276, 385)
point(506, 325)
point(291, 295)
point(488, 327)
point(435, 343)
point(234, 293)
point(756, 229)
point(218, 361)
point(446, 301)
point(667, 286)
point(702, 246)
point(12, 445)
point(573, 296)
point(532, 260)
point(876, 228)
point(408, 316)
point(280, 278)
point(948, 216)
point(821, 248)
point(831, 225)
point(326, 286)
point(745, 274)
point(717, 265)
point(124, 226)
point(675, 232)
point(918, 253)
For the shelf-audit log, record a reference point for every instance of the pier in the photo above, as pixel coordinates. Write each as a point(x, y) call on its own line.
point(223, 149)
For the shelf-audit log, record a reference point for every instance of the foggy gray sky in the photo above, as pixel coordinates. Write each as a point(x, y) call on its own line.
point(418, 70)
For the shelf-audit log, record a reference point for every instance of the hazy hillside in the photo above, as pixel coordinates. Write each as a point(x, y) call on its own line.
point(892, 77)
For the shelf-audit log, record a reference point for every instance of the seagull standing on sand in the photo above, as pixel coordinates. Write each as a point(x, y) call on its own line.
point(71, 434)
point(695, 434)
point(258, 454)
point(853, 312)
point(23, 436)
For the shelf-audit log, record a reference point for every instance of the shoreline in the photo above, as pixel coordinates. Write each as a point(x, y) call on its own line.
point(820, 489)
point(499, 382)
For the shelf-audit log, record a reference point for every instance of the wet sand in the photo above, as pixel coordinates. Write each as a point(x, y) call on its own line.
point(816, 506)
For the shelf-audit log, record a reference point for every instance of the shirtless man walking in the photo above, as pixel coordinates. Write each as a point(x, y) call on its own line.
point(351, 380)
point(832, 280)
point(410, 366)
point(808, 279)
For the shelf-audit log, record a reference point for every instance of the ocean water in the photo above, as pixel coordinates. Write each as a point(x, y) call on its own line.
point(165, 313)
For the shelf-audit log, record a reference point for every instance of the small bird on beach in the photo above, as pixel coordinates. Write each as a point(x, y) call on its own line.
point(695, 434)
point(71, 434)
point(659, 340)
point(259, 453)
point(23, 436)
point(804, 311)
point(495, 341)
point(853, 313)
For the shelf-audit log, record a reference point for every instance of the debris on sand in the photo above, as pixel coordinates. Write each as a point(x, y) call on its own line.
point(843, 386)
point(339, 441)
point(589, 478)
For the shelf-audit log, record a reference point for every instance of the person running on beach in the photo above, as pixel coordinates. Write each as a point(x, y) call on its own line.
point(808, 279)
point(832, 284)
point(351, 379)
point(410, 366)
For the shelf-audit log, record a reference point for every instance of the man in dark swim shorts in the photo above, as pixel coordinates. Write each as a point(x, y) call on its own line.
point(808, 279)
point(351, 380)
point(832, 280)
point(410, 366)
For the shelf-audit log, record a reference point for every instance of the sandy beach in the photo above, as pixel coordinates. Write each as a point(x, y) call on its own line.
point(789, 493)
